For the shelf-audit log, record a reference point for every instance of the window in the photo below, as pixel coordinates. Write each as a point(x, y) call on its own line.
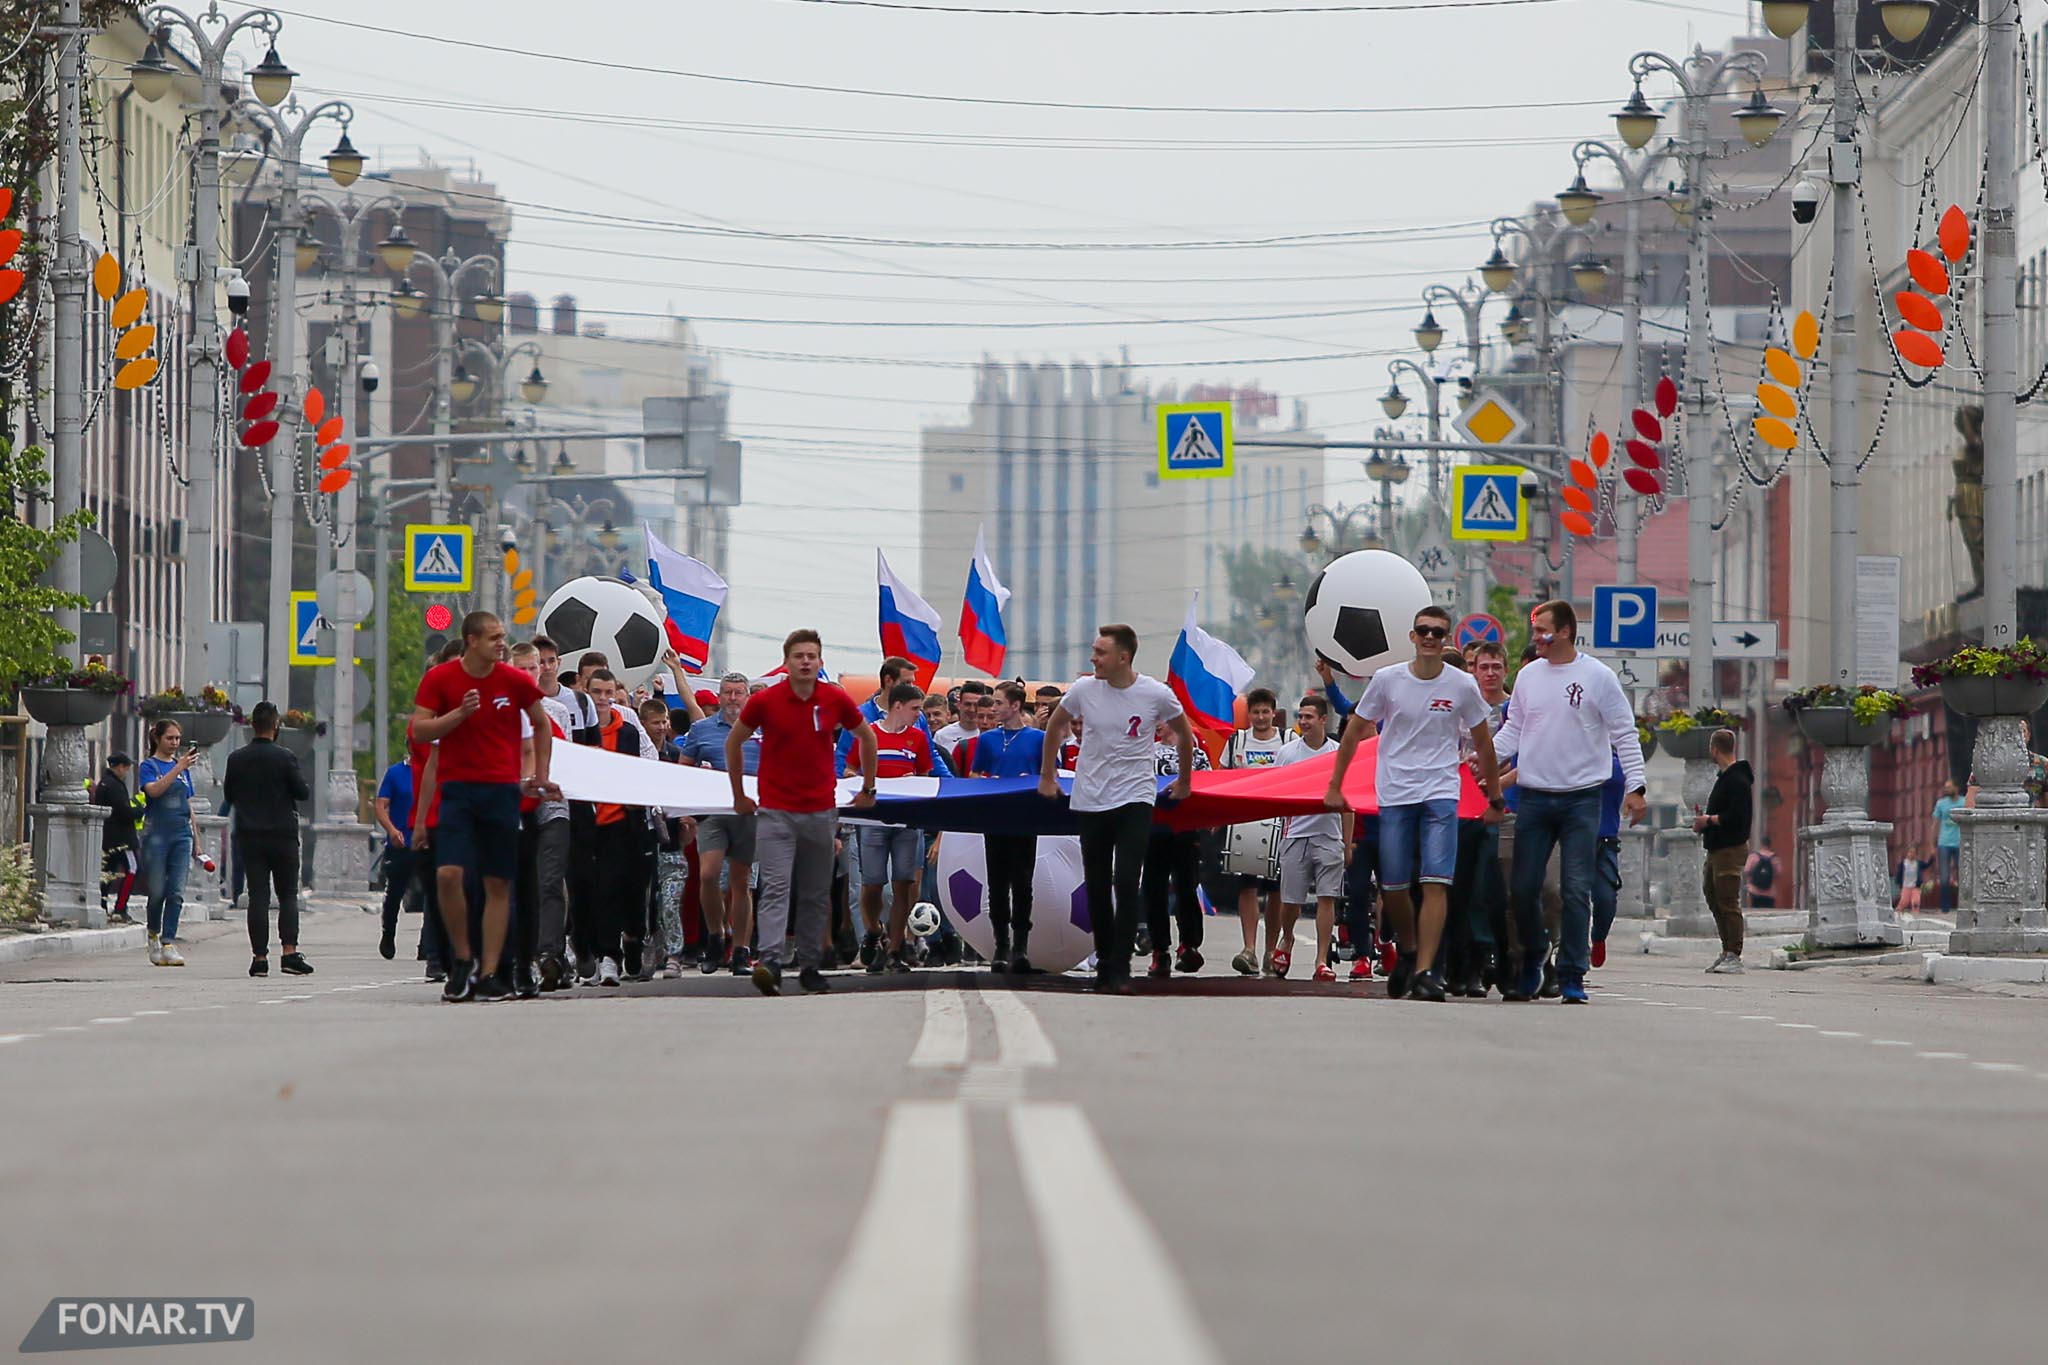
point(956, 482)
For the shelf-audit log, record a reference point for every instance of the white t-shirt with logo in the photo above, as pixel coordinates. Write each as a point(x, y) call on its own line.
point(1247, 750)
point(1421, 722)
point(1117, 765)
point(1328, 825)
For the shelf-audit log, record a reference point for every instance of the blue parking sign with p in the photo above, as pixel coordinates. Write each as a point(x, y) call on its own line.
point(1625, 617)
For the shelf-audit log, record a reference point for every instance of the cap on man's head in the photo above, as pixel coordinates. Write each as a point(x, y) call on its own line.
point(118, 760)
point(707, 699)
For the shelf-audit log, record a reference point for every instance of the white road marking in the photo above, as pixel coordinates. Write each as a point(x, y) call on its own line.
point(1798, 1026)
point(6, 1038)
point(1839, 1033)
point(114, 1019)
point(1944, 1056)
point(146, 1014)
point(1113, 1295)
point(1998, 1066)
point(1020, 1042)
point(68, 1028)
point(1760, 1018)
point(943, 1040)
point(1889, 1042)
point(919, 1214)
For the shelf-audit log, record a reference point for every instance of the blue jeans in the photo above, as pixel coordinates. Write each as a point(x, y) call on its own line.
point(1945, 860)
point(1606, 888)
point(1570, 823)
point(1420, 832)
point(166, 858)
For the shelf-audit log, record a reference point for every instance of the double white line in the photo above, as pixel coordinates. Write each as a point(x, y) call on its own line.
point(1113, 1294)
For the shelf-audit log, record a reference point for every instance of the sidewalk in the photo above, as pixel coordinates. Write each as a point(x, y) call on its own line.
point(58, 943)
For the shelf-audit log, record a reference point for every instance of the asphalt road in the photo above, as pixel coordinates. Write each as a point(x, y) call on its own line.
point(1840, 1165)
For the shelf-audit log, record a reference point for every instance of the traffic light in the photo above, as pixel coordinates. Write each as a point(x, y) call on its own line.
point(523, 609)
point(439, 619)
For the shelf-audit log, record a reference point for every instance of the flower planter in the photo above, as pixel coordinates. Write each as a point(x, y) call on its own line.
point(1837, 727)
point(300, 742)
point(1983, 697)
point(1687, 743)
point(204, 728)
point(68, 705)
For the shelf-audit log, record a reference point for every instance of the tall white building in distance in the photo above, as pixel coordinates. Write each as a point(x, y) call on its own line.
point(1060, 462)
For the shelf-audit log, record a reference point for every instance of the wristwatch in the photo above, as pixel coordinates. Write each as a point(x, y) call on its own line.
point(868, 790)
point(1639, 791)
point(1498, 802)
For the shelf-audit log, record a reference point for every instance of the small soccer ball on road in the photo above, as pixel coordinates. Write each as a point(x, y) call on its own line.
point(1359, 609)
point(924, 919)
point(610, 616)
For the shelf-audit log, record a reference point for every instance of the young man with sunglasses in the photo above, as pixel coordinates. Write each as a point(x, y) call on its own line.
point(1422, 711)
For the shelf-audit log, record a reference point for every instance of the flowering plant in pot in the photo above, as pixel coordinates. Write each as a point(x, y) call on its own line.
point(1841, 716)
point(1979, 681)
point(205, 716)
point(296, 730)
point(74, 696)
point(1686, 734)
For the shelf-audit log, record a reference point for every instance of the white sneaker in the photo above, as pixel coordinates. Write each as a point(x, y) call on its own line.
point(156, 951)
point(1726, 964)
point(608, 972)
point(1734, 965)
point(171, 956)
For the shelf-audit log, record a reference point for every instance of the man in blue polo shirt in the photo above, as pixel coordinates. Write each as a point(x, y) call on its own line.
point(724, 842)
point(1012, 749)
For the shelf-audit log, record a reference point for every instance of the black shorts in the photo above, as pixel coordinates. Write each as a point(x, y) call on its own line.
point(479, 828)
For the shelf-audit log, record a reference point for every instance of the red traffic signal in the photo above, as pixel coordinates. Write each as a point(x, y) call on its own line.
point(439, 617)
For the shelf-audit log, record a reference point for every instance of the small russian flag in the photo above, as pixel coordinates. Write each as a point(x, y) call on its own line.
point(1207, 675)
point(910, 628)
point(981, 612)
point(691, 592)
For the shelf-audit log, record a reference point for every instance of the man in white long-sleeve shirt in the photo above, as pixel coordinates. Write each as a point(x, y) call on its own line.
point(1568, 722)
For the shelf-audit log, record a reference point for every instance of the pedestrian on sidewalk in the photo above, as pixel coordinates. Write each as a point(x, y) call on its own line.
point(118, 836)
point(264, 784)
point(168, 835)
point(1948, 842)
point(394, 816)
point(1724, 832)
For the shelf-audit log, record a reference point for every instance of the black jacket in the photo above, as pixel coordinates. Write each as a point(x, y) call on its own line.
point(264, 784)
point(113, 793)
point(1731, 802)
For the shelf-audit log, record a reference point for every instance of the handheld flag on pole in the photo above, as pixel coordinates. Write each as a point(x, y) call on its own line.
point(691, 593)
point(981, 613)
point(910, 627)
point(1206, 675)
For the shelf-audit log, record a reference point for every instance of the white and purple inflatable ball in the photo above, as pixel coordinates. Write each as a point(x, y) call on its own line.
point(610, 616)
point(1360, 608)
point(1062, 934)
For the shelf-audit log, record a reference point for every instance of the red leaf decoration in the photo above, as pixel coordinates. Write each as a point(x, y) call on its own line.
point(6, 201)
point(260, 434)
point(10, 242)
point(1917, 348)
point(1919, 310)
point(1576, 523)
point(1954, 234)
point(1583, 475)
point(1600, 450)
point(336, 480)
point(1647, 425)
point(1576, 497)
point(1645, 455)
point(330, 431)
point(1667, 396)
point(259, 407)
point(315, 406)
point(238, 348)
point(1927, 271)
point(334, 457)
point(1643, 481)
point(10, 284)
point(256, 376)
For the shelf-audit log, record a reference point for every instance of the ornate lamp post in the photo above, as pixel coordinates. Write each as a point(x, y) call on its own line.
point(447, 274)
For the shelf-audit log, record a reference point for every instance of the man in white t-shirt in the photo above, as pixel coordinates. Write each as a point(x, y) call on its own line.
point(1422, 712)
point(1116, 782)
point(1569, 722)
point(1258, 895)
point(1313, 850)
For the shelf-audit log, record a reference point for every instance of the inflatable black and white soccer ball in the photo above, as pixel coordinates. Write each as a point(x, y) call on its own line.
point(924, 919)
point(1360, 608)
point(610, 616)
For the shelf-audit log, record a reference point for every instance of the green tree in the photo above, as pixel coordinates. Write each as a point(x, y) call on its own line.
point(31, 644)
point(1504, 606)
point(1262, 626)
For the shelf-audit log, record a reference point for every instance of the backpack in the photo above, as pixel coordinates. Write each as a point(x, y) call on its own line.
point(1765, 873)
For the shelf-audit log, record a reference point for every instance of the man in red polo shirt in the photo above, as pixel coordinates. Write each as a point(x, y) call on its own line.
point(472, 705)
point(798, 720)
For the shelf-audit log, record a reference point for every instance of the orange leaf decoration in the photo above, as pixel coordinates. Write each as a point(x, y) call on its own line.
point(336, 481)
point(1600, 450)
point(334, 457)
point(1782, 367)
point(1954, 234)
point(1927, 271)
point(1918, 348)
point(10, 284)
point(330, 431)
point(1583, 475)
point(1577, 497)
point(1919, 310)
point(134, 342)
point(136, 373)
point(1777, 402)
point(128, 308)
point(106, 277)
point(1576, 523)
point(10, 242)
point(315, 406)
point(1775, 434)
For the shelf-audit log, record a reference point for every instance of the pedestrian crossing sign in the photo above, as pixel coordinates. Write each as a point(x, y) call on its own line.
point(438, 558)
point(1196, 441)
point(307, 625)
point(1486, 503)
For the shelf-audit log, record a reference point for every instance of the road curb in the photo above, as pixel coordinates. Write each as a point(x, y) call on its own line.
point(72, 943)
point(1782, 961)
point(1944, 969)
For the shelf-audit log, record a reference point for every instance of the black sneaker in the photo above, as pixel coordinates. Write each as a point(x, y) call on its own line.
point(387, 943)
point(1427, 986)
point(493, 987)
point(952, 952)
point(259, 966)
point(714, 955)
point(295, 964)
point(1403, 976)
point(813, 981)
point(1020, 965)
point(877, 964)
point(436, 972)
point(1160, 968)
point(899, 961)
point(586, 968)
point(523, 984)
point(1551, 989)
point(633, 956)
point(872, 947)
point(1188, 960)
point(461, 982)
point(742, 960)
point(767, 978)
point(551, 972)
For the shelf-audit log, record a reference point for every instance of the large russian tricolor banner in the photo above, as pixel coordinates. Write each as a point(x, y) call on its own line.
point(910, 627)
point(982, 636)
point(691, 592)
point(1207, 675)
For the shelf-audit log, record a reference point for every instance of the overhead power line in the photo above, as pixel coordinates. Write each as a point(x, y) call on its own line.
point(1225, 13)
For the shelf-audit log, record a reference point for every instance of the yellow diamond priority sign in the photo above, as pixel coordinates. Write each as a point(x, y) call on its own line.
point(1491, 420)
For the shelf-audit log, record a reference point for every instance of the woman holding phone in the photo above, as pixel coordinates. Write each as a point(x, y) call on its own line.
point(167, 836)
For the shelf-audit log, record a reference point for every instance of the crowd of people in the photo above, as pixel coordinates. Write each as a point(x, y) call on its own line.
point(1488, 862)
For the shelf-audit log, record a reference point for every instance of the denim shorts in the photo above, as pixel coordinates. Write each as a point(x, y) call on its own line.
point(888, 855)
point(479, 828)
point(1431, 827)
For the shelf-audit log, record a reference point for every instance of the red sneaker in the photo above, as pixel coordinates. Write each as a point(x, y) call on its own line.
point(1361, 968)
point(1282, 960)
point(1159, 969)
point(1389, 955)
point(1600, 953)
point(1323, 972)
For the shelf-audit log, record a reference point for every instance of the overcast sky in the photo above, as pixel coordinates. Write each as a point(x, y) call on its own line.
point(831, 442)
